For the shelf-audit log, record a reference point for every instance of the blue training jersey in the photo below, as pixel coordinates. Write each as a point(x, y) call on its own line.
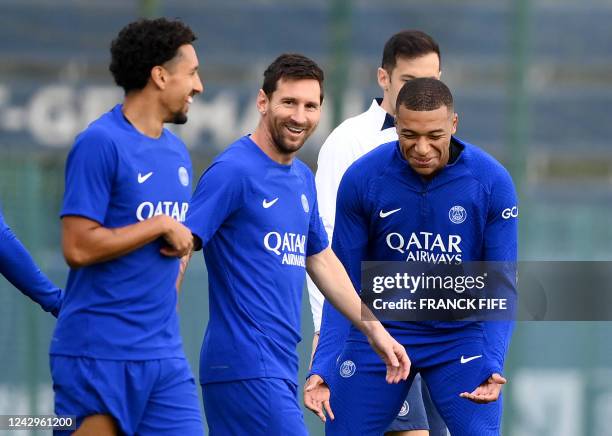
point(125, 308)
point(19, 268)
point(258, 221)
point(388, 212)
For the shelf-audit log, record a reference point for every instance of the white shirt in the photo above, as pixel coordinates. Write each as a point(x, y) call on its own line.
point(353, 138)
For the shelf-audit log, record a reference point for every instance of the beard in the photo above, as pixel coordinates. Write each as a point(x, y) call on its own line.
point(178, 118)
point(282, 144)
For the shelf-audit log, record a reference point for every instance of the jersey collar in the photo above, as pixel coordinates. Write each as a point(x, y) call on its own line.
point(388, 121)
point(453, 170)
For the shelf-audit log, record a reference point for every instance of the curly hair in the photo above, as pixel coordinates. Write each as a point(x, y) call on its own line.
point(142, 45)
point(424, 94)
point(293, 66)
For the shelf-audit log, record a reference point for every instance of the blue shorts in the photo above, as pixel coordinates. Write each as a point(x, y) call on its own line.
point(149, 397)
point(363, 403)
point(254, 407)
point(418, 412)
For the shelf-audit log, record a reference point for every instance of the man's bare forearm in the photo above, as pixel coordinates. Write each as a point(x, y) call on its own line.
point(182, 269)
point(315, 342)
point(331, 278)
point(86, 242)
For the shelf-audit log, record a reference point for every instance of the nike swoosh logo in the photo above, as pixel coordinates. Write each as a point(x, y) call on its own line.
point(384, 214)
point(469, 359)
point(267, 204)
point(142, 179)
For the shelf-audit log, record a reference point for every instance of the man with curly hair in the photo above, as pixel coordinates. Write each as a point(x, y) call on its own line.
point(117, 358)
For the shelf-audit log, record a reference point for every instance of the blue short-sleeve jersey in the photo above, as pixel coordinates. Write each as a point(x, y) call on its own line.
point(258, 221)
point(387, 212)
point(125, 308)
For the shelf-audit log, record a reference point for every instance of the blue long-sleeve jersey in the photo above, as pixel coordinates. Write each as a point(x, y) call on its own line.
point(387, 212)
point(19, 268)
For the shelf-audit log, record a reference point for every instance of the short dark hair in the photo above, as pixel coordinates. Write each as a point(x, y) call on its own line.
point(410, 44)
point(142, 45)
point(292, 66)
point(424, 94)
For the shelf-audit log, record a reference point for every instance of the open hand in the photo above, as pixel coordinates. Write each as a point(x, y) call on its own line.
point(316, 397)
point(488, 391)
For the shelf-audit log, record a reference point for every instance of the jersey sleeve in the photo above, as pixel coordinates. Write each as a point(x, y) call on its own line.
point(219, 194)
point(90, 171)
point(19, 268)
point(500, 247)
point(317, 237)
point(349, 244)
point(334, 159)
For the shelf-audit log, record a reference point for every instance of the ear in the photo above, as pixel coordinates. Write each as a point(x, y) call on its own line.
point(262, 102)
point(455, 123)
point(158, 76)
point(439, 74)
point(383, 79)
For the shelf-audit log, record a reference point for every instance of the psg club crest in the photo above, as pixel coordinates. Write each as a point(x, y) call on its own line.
point(183, 176)
point(457, 214)
point(404, 410)
point(347, 369)
point(305, 204)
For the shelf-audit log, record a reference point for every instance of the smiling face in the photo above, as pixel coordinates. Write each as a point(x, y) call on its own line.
point(182, 82)
point(291, 113)
point(424, 138)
